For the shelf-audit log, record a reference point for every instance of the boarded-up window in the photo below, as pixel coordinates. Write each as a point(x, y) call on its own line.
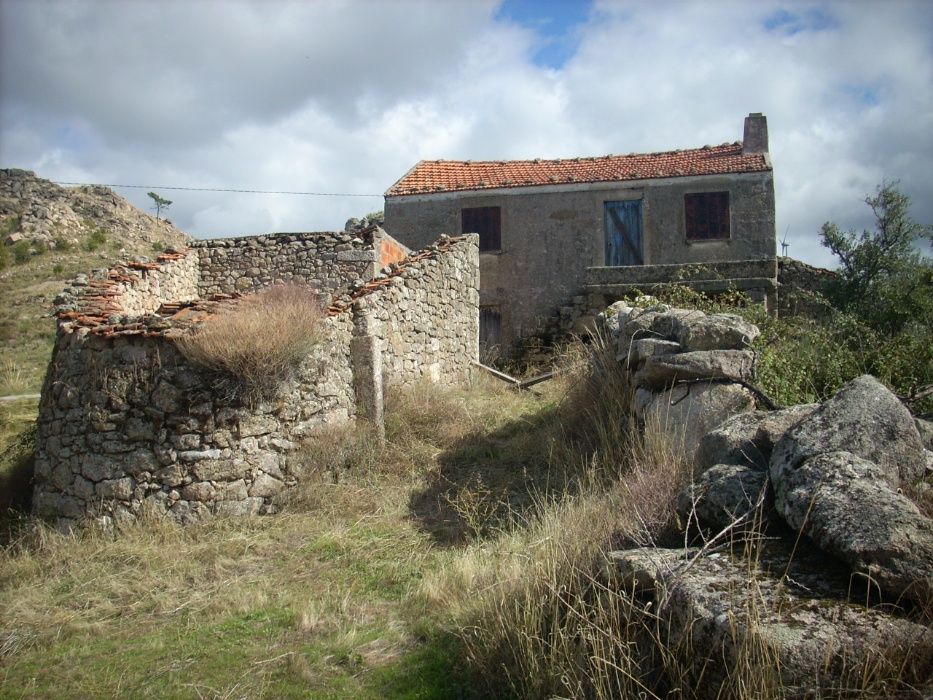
point(490, 327)
point(486, 222)
point(706, 215)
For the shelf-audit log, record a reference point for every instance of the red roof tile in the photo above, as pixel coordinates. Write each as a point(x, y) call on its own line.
point(430, 176)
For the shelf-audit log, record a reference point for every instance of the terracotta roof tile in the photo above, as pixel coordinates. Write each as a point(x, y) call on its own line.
point(430, 176)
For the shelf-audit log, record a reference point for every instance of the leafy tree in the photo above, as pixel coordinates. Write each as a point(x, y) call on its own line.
point(883, 277)
point(160, 203)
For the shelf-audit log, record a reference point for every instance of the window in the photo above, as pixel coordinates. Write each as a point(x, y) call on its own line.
point(706, 215)
point(490, 327)
point(486, 222)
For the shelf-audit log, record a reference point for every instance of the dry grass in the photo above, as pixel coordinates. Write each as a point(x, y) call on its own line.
point(536, 607)
point(534, 612)
point(463, 558)
point(256, 345)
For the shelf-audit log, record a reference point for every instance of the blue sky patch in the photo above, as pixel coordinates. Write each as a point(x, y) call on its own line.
point(554, 21)
point(788, 23)
point(863, 94)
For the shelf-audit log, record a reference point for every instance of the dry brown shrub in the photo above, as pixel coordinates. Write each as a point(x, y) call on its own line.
point(257, 344)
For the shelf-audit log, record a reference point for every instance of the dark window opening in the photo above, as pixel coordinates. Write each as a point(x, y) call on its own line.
point(486, 222)
point(706, 215)
point(490, 327)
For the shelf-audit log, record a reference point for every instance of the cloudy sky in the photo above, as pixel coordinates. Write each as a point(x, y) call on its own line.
point(343, 96)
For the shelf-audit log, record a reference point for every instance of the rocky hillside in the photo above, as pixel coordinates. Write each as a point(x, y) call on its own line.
point(44, 214)
point(48, 234)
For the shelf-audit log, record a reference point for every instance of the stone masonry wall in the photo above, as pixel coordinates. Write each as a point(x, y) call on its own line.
point(325, 261)
point(130, 289)
point(424, 328)
point(127, 423)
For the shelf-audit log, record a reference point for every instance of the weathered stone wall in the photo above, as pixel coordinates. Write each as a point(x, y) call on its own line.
point(128, 290)
point(173, 280)
point(428, 325)
point(325, 261)
point(801, 288)
point(126, 422)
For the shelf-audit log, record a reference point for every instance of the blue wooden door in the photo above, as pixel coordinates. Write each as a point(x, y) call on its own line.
point(623, 233)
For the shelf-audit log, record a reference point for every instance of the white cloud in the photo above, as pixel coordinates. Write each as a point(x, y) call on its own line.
point(346, 96)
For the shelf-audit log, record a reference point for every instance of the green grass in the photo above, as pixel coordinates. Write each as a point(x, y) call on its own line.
point(27, 330)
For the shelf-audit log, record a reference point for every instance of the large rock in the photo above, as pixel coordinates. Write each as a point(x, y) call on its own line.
point(663, 370)
point(749, 438)
point(845, 505)
point(717, 332)
point(609, 321)
point(863, 418)
point(783, 616)
point(686, 413)
point(661, 322)
point(648, 347)
point(925, 428)
point(724, 495)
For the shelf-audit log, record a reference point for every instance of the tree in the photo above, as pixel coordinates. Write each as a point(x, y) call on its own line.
point(160, 203)
point(883, 276)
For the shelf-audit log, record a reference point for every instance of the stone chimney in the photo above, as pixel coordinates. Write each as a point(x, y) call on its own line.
point(756, 134)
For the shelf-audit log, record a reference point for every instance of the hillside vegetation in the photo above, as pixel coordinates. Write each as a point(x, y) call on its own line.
point(57, 233)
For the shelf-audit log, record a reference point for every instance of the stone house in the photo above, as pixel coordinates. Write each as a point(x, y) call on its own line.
point(564, 236)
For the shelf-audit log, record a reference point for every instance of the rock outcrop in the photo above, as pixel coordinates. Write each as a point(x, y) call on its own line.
point(46, 212)
point(687, 370)
point(834, 596)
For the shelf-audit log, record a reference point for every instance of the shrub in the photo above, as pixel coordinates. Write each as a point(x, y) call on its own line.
point(62, 244)
point(259, 343)
point(22, 251)
point(97, 239)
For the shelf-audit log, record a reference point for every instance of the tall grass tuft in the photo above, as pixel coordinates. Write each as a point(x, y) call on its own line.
point(256, 346)
point(532, 607)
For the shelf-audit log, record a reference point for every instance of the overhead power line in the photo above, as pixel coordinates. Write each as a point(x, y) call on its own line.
point(219, 189)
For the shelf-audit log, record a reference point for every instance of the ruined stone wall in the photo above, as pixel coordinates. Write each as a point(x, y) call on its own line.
point(325, 261)
point(801, 288)
point(126, 422)
point(127, 290)
point(430, 317)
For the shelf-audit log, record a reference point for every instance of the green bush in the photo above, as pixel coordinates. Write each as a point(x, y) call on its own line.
point(97, 239)
point(62, 244)
point(10, 225)
point(22, 251)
